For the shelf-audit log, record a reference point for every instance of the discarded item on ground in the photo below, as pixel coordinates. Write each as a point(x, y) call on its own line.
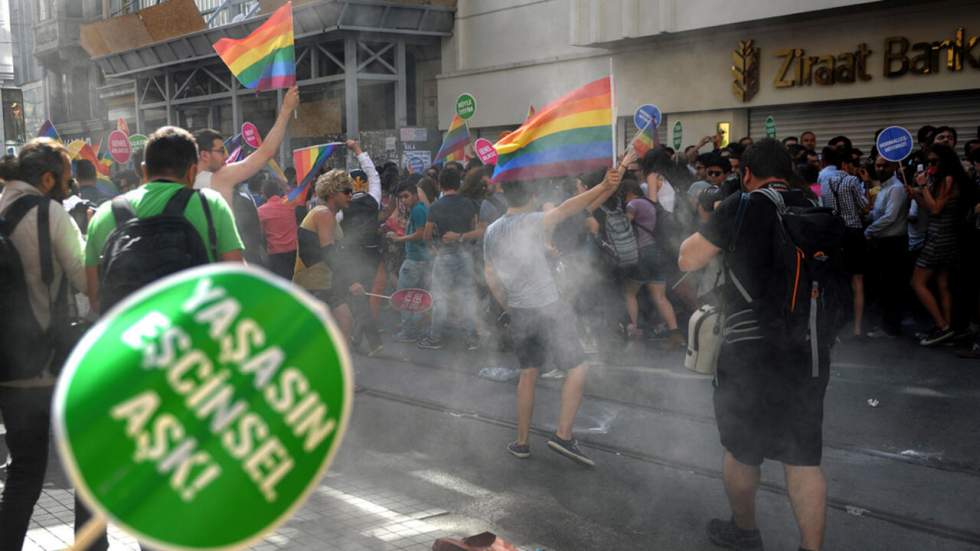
point(486, 541)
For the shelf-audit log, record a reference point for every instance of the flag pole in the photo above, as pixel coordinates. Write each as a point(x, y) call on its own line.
point(612, 96)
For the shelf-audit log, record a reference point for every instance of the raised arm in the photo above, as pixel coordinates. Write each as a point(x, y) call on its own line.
point(229, 176)
point(367, 165)
point(579, 202)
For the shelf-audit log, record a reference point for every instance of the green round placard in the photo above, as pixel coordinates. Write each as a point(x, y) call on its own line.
point(200, 411)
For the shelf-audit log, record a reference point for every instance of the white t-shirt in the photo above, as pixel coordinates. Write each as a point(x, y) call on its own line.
point(203, 180)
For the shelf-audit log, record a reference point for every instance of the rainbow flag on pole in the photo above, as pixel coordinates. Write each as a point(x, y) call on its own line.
point(308, 161)
point(645, 139)
point(455, 142)
point(47, 130)
point(565, 138)
point(265, 59)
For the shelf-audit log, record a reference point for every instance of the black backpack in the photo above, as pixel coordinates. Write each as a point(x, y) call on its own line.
point(361, 223)
point(142, 250)
point(806, 303)
point(25, 349)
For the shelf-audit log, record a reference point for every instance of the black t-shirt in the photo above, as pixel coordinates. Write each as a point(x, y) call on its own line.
point(451, 213)
point(752, 260)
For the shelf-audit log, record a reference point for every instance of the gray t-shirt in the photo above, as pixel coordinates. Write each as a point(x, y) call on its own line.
point(515, 245)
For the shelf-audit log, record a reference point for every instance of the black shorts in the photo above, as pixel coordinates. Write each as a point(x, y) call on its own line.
point(331, 297)
point(767, 404)
point(548, 332)
point(855, 251)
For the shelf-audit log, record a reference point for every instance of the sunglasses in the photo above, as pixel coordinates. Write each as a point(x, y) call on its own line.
point(715, 173)
point(347, 191)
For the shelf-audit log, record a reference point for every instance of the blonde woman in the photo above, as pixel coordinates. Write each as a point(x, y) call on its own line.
point(319, 264)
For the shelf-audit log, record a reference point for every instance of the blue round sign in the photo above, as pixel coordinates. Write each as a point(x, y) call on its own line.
point(895, 143)
point(416, 164)
point(644, 114)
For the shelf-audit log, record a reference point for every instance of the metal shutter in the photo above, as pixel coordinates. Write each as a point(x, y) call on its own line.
point(859, 119)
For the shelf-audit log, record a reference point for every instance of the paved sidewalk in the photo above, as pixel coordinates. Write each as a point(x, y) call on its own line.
point(344, 513)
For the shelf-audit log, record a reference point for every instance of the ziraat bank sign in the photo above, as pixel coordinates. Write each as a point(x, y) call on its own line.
point(897, 58)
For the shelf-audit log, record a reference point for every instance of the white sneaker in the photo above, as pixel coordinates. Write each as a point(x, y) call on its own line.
point(553, 374)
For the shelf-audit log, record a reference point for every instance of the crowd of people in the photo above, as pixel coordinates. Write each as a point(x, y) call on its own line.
point(553, 270)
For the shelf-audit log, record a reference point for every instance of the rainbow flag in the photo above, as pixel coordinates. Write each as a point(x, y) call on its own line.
point(265, 59)
point(565, 138)
point(645, 139)
point(308, 162)
point(47, 130)
point(454, 143)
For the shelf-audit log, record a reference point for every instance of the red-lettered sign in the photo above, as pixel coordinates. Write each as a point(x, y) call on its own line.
point(119, 147)
point(411, 300)
point(485, 151)
point(250, 133)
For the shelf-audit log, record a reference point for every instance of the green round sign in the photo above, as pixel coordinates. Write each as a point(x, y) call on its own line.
point(770, 127)
point(200, 411)
point(137, 141)
point(466, 105)
point(678, 134)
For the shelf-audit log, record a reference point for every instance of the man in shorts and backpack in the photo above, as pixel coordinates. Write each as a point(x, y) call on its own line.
point(542, 325)
point(771, 379)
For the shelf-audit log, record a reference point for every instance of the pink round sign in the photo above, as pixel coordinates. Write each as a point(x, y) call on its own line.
point(119, 147)
point(250, 133)
point(485, 151)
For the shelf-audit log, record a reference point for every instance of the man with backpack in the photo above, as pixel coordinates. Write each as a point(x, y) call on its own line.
point(169, 225)
point(845, 194)
point(40, 263)
point(781, 305)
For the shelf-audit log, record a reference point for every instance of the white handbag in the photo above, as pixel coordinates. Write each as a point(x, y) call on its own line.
point(704, 340)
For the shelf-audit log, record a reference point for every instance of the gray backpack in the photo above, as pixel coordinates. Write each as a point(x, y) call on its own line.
point(617, 240)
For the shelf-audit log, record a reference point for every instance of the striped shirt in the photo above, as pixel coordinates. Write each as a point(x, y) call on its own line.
point(845, 194)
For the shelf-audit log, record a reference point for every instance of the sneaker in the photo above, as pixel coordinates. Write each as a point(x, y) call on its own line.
point(520, 451)
point(375, 349)
point(570, 449)
point(402, 337)
point(428, 343)
point(553, 374)
point(724, 533)
point(473, 343)
point(937, 336)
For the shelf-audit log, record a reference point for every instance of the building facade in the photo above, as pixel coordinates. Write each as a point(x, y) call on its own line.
point(831, 66)
point(365, 69)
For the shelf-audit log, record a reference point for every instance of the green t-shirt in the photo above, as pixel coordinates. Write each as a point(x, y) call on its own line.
point(150, 200)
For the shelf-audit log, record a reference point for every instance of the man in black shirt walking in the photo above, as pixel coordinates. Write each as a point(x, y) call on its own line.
point(768, 398)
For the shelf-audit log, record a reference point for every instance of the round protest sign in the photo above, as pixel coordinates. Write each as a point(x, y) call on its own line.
point(200, 411)
point(485, 151)
point(678, 134)
point(251, 136)
point(137, 141)
point(770, 127)
point(466, 105)
point(119, 148)
point(411, 300)
point(644, 114)
point(895, 143)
